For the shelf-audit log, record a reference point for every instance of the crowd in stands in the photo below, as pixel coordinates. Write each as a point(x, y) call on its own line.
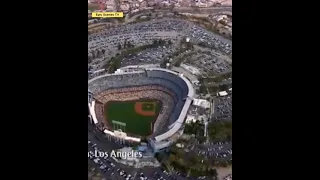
point(123, 94)
point(117, 81)
point(102, 124)
point(144, 84)
point(165, 96)
point(143, 78)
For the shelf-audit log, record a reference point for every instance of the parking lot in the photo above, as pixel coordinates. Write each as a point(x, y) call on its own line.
point(149, 56)
point(223, 108)
point(144, 33)
point(208, 63)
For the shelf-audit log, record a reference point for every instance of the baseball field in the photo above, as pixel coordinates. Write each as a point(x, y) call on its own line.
point(138, 116)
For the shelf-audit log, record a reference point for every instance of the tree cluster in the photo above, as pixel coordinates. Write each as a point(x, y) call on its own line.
point(195, 128)
point(216, 79)
point(192, 165)
point(220, 131)
point(184, 47)
point(161, 42)
point(125, 45)
point(98, 53)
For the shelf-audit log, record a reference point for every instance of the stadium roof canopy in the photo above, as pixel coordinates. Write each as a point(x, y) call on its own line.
point(191, 91)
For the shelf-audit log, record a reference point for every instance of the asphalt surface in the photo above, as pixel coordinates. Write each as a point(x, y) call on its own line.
point(113, 169)
point(220, 151)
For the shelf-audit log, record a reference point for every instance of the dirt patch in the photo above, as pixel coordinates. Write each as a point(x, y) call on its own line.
point(223, 172)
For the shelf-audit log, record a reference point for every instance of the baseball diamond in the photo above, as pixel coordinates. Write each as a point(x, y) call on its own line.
point(143, 102)
point(138, 116)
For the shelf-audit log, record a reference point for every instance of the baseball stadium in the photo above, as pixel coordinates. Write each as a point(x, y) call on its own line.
point(140, 102)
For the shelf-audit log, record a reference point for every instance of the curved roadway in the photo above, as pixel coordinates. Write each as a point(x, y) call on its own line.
point(208, 11)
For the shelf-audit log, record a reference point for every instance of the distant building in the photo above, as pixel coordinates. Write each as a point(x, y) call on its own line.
point(222, 93)
point(193, 119)
point(202, 103)
point(190, 118)
point(124, 7)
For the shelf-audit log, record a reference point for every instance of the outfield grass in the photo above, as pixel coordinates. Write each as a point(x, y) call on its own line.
point(124, 111)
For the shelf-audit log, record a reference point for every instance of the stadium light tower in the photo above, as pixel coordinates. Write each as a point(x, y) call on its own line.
point(168, 65)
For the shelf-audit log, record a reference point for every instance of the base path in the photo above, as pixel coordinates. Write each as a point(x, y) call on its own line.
point(140, 110)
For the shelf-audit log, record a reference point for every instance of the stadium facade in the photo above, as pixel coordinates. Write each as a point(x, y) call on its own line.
point(134, 76)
